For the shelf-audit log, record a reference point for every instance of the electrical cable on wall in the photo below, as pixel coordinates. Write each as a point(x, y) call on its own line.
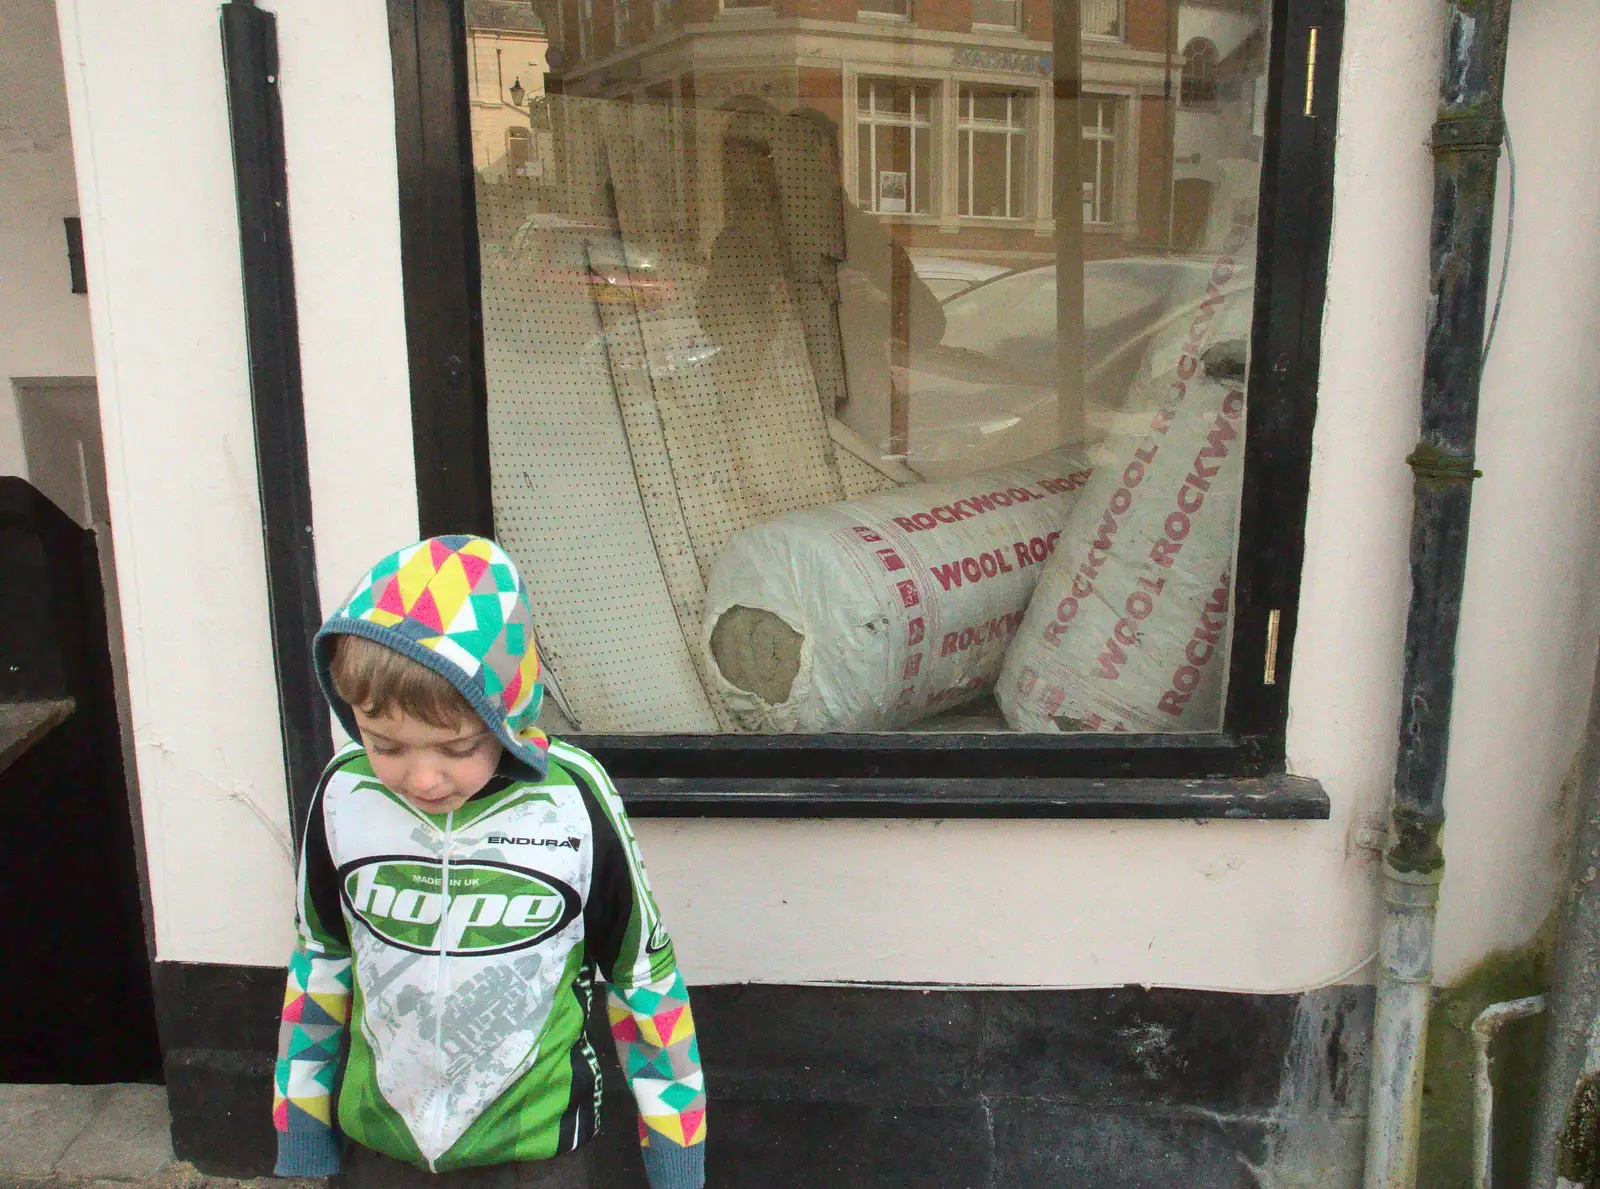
point(1505, 254)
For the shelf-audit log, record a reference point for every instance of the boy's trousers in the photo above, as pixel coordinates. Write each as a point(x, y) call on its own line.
point(366, 1169)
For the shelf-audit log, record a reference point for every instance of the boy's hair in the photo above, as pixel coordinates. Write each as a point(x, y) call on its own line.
point(376, 680)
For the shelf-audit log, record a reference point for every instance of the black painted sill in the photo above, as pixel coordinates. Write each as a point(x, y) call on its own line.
point(1266, 798)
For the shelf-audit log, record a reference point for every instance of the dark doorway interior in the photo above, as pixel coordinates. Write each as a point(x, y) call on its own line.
point(72, 895)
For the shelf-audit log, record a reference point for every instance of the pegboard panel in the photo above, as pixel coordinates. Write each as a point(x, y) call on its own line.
point(726, 352)
point(653, 472)
point(819, 320)
point(662, 350)
point(860, 479)
point(566, 495)
point(805, 160)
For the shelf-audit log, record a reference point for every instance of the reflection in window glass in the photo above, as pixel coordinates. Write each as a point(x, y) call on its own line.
point(585, 28)
point(1199, 89)
point(779, 427)
point(992, 143)
point(1099, 159)
point(517, 149)
point(999, 14)
point(895, 125)
point(1103, 18)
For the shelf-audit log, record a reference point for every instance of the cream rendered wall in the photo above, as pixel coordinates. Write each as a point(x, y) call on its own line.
point(44, 327)
point(1236, 905)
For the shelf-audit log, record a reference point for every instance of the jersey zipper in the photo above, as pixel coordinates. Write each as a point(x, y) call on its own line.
point(441, 985)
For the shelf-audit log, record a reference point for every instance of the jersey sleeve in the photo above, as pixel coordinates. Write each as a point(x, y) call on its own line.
point(647, 1001)
point(316, 1011)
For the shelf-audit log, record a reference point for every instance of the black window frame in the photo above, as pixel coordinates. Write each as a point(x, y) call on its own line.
point(1236, 772)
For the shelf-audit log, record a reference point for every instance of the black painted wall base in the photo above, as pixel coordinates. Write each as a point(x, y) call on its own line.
point(841, 1086)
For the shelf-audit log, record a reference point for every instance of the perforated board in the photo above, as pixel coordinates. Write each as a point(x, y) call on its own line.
point(566, 499)
point(744, 427)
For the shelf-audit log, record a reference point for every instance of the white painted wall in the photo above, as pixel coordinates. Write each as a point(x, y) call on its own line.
point(1237, 905)
point(44, 327)
point(161, 234)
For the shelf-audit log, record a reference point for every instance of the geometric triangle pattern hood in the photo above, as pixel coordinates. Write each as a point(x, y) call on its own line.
point(457, 605)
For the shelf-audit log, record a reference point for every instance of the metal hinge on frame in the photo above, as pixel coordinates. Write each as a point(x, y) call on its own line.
point(1311, 70)
point(1269, 675)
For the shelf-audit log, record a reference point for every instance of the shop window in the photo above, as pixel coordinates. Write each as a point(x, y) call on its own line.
point(1099, 178)
point(894, 144)
point(808, 484)
point(992, 152)
point(1199, 86)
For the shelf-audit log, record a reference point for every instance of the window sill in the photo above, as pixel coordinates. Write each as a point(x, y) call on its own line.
point(892, 18)
point(1269, 798)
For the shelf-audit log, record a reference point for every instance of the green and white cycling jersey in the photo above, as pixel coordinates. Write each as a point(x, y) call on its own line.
point(465, 948)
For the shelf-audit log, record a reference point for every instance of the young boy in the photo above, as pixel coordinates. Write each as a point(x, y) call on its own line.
point(462, 881)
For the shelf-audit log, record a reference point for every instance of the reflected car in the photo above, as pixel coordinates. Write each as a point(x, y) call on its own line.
point(673, 345)
point(986, 395)
point(946, 276)
point(591, 253)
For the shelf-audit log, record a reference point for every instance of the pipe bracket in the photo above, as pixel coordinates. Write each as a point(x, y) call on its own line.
point(1469, 134)
point(1433, 466)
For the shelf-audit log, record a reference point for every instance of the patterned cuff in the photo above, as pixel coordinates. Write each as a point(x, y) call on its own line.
point(672, 1167)
point(307, 1153)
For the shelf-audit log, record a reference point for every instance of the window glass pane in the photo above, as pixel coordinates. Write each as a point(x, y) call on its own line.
point(795, 424)
point(964, 172)
point(990, 105)
point(989, 175)
point(922, 175)
point(995, 12)
point(1018, 174)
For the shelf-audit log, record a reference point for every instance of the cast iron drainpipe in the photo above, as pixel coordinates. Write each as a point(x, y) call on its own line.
point(1466, 149)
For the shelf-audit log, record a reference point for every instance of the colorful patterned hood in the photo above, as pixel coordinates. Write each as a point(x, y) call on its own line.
point(458, 606)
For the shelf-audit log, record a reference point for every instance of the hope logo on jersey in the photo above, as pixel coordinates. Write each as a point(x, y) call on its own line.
point(488, 908)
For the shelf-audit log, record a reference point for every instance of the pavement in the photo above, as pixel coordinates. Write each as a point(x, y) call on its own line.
point(97, 1137)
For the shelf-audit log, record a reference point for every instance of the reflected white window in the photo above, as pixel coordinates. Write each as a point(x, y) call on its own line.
point(518, 151)
point(992, 149)
point(894, 142)
point(585, 28)
point(622, 12)
point(1103, 18)
point(1099, 115)
point(888, 8)
point(1199, 87)
point(997, 14)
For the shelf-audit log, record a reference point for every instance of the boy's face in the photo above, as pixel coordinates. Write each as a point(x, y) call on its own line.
point(436, 769)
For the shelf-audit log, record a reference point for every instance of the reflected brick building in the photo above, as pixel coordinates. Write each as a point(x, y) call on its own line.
point(944, 107)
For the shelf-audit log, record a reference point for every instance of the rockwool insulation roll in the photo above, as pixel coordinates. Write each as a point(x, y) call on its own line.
point(872, 613)
point(1128, 629)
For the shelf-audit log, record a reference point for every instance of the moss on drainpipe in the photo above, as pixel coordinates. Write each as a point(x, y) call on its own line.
point(1445, 1158)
